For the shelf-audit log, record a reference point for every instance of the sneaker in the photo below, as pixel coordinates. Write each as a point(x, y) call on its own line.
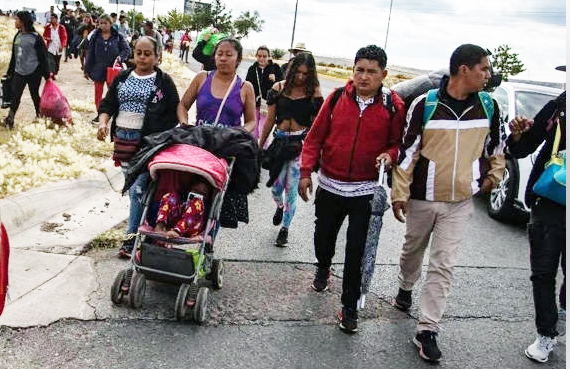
point(348, 320)
point(403, 300)
point(321, 281)
point(426, 342)
point(561, 323)
point(540, 349)
point(9, 120)
point(126, 248)
point(281, 240)
point(278, 216)
point(95, 121)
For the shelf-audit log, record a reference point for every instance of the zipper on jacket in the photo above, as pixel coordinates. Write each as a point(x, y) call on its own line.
point(454, 173)
point(354, 144)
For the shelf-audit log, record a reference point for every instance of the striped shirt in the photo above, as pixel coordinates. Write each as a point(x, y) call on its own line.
point(349, 189)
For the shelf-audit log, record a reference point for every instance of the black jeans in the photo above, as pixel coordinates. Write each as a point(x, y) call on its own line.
point(19, 83)
point(547, 237)
point(330, 210)
point(54, 61)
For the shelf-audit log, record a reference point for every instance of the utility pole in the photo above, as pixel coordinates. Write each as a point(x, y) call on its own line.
point(294, 22)
point(153, 4)
point(388, 27)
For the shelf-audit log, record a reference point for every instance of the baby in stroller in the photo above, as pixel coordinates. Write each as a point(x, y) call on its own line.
point(182, 207)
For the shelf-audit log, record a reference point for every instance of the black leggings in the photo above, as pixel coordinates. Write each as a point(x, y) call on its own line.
point(19, 83)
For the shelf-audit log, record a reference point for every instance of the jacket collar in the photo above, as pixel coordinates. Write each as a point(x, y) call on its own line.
point(444, 96)
point(351, 91)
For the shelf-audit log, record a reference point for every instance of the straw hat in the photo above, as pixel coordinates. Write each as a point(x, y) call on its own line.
point(300, 46)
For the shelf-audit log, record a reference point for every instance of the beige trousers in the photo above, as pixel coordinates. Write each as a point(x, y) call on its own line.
point(445, 222)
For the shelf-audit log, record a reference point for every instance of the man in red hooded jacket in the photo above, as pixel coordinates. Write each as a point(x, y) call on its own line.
point(55, 37)
point(347, 141)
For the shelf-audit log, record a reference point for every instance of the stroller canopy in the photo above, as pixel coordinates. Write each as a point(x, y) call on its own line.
point(191, 159)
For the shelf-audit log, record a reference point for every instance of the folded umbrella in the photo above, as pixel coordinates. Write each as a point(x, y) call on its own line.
point(378, 206)
point(4, 253)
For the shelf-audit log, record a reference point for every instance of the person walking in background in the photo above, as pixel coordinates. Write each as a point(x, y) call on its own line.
point(28, 64)
point(185, 46)
point(124, 27)
point(208, 62)
point(106, 46)
point(348, 139)
point(299, 48)
point(436, 177)
point(83, 31)
point(293, 105)
point(130, 112)
point(262, 75)
point(55, 37)
point(114, 23)
point(547, 226)
point(148, 28)
point(70, 24)
point(167, 41)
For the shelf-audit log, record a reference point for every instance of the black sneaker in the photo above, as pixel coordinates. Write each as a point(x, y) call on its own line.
point(321, 281)
point(348, 320)
point(9, 120)
point(278, 216)
point(127, 248)
point(426, 342)
point(403, 301)
point(281, 240)
point(95, 121)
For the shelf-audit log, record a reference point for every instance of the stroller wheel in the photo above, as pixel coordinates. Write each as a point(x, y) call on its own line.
point(137, 290)
point(184, 301)
point(117, 291)
point(217, 274)
point(201, 307)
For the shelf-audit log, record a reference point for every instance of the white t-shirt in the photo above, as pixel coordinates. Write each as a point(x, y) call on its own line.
point(55, 44)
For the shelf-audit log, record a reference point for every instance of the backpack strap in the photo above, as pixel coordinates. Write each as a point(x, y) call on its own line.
point(488, 105)
point(430, 104)
point(388, 101)
point(336, 95)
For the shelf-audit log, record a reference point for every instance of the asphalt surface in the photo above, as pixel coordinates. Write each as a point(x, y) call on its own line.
point(266, 315)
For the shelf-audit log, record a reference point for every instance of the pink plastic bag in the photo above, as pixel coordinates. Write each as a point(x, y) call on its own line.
point(54, 105)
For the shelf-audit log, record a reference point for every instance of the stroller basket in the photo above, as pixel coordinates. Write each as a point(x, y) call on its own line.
point(175, 265)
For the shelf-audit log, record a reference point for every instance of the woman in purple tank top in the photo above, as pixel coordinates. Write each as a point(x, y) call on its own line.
point(221, 86)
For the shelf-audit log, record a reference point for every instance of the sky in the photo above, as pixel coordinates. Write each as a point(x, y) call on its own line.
point(421, 34)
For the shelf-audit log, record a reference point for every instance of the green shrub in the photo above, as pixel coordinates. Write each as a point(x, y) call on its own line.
point(277, 53)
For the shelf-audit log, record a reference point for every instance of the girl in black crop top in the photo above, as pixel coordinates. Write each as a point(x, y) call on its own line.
point(292, 106)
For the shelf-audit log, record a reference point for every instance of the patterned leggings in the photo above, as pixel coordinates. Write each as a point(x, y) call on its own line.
point(287, 181)
point(186, 218)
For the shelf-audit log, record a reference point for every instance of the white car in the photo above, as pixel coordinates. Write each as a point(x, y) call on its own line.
point(506, 202)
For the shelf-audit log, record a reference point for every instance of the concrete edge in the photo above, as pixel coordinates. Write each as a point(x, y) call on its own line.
point(27, 209)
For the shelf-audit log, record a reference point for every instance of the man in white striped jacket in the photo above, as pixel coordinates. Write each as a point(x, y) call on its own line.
point(437, 175)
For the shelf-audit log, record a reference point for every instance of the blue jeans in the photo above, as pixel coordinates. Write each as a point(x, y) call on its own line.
point(137, 190)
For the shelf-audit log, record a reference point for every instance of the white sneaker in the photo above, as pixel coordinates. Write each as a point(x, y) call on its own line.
point(561, 323)
point(540, 349)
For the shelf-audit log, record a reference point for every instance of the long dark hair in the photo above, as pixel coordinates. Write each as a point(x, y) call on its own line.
point(235, 44)
point(27, 21)
point(312, 80)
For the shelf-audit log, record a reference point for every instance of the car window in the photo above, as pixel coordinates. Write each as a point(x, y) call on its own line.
point(500, 94)
point(530, 103)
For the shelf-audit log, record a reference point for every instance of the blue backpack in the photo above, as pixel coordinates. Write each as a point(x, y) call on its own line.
point(432, 100)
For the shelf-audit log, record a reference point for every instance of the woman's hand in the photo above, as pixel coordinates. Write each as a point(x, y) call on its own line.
point(102, 131)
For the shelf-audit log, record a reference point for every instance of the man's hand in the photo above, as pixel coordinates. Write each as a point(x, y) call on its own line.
point(487, 185)
point(399, 209)
point(272, 77)
point(304, 184)
point(519, 125)
point(387, 160)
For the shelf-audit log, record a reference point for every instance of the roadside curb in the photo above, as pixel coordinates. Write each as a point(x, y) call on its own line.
point(27, 209)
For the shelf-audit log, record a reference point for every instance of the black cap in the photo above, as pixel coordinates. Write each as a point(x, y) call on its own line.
point(562, 68)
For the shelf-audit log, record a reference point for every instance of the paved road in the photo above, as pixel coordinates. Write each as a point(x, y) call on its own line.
point(266, 316)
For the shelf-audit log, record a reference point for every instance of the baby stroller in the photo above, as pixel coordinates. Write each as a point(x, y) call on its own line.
point(178, 260)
